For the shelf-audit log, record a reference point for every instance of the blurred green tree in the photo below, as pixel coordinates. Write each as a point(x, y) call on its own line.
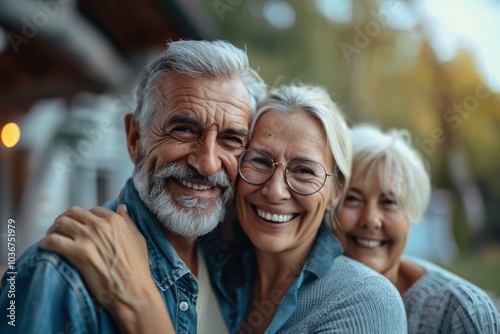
point(391, 76)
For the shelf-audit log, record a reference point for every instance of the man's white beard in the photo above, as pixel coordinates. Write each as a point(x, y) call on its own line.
point(190, 220)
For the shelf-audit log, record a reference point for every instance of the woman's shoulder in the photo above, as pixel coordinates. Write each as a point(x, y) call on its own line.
point(441, 297)
point(347, 290)
point(439, 281)
point(353, 279)
point(346, 267)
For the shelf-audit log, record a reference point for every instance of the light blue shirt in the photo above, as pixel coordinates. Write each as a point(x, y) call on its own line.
point(329, 294)
point(51, 297)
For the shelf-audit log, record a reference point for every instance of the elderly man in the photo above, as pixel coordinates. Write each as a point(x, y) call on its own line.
point(191, 124)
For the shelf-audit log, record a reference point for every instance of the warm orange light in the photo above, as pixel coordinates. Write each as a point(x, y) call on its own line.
point(11, 134)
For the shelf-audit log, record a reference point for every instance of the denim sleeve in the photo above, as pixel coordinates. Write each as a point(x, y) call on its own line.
point(49, 297)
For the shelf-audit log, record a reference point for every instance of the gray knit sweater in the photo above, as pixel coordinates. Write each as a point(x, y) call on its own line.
point(441, 302)
point(350, 298)
point(330, 293)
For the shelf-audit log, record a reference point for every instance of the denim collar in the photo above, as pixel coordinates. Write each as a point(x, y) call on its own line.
point(325, 249)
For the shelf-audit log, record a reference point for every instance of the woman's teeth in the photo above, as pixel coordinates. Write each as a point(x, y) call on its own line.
point(274, 217)
point(368, 243)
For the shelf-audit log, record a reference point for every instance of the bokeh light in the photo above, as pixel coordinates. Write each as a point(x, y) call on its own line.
point(11, 133)
point(279, 14)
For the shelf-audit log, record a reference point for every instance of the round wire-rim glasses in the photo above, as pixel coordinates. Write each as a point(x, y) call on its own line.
point(304, 176)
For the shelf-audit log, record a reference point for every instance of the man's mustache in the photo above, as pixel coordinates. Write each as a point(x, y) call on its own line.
point(181, 170)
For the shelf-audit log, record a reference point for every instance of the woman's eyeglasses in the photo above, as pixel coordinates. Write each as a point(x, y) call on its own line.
point(303, 176)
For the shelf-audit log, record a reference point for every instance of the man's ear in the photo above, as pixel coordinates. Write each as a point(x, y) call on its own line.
point(133, 133)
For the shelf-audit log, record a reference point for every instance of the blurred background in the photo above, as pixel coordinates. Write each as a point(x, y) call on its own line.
point(68, 70)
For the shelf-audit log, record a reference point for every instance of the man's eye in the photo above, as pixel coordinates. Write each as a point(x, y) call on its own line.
point(181, 129)
point(183, 133)
point(232, 142)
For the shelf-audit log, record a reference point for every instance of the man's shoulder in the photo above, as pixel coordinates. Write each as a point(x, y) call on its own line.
point(111, 205)
point(41, 285)
point(39, 260)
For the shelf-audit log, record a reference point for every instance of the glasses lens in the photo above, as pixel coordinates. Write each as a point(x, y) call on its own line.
point(255, 167)
point(306, 176)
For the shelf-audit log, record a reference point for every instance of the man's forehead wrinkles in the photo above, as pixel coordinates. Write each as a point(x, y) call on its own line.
point(208, 109)
point(206, 102)
point(190, 90)
point(188, 101)
point(207, 93)
point(204, 116)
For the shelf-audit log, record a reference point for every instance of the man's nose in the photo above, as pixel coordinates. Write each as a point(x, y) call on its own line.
point(206, 156)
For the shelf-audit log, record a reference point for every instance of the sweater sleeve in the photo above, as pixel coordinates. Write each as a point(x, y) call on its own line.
point(476, 314)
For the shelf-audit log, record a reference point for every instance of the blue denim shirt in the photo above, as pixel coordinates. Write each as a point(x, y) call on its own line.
point(51, 297)
point(330, 293)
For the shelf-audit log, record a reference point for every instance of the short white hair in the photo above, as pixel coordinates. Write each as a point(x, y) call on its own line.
point(399, 167)
point(316, 101)
point(217, 59)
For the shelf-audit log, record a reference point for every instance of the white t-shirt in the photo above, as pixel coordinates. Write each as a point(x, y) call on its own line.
point(210, 319)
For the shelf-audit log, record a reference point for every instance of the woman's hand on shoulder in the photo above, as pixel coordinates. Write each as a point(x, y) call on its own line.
point(111, 255)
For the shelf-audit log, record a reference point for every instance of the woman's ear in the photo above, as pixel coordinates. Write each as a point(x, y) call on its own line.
point(340, 187)
point(335, 197)
point(331, 207)
point(337, 191)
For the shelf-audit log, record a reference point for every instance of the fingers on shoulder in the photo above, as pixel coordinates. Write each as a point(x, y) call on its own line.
point(69, 227)
point(75, 251)
point(108, 216)
point(57, 243)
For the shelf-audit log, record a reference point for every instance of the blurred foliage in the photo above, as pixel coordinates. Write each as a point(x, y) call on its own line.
point(481, 269)
point(391, 77)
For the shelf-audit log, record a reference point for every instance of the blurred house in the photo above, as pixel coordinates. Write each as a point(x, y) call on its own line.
point(67, 72)
point(432, 237)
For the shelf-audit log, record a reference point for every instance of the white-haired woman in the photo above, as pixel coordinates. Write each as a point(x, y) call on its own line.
point(388, 191)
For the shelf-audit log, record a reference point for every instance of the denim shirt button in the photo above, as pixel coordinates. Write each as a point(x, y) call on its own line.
point(183, 306)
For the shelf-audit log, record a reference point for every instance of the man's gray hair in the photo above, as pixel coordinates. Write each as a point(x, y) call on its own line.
point(398, 166)
point(218, 59)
